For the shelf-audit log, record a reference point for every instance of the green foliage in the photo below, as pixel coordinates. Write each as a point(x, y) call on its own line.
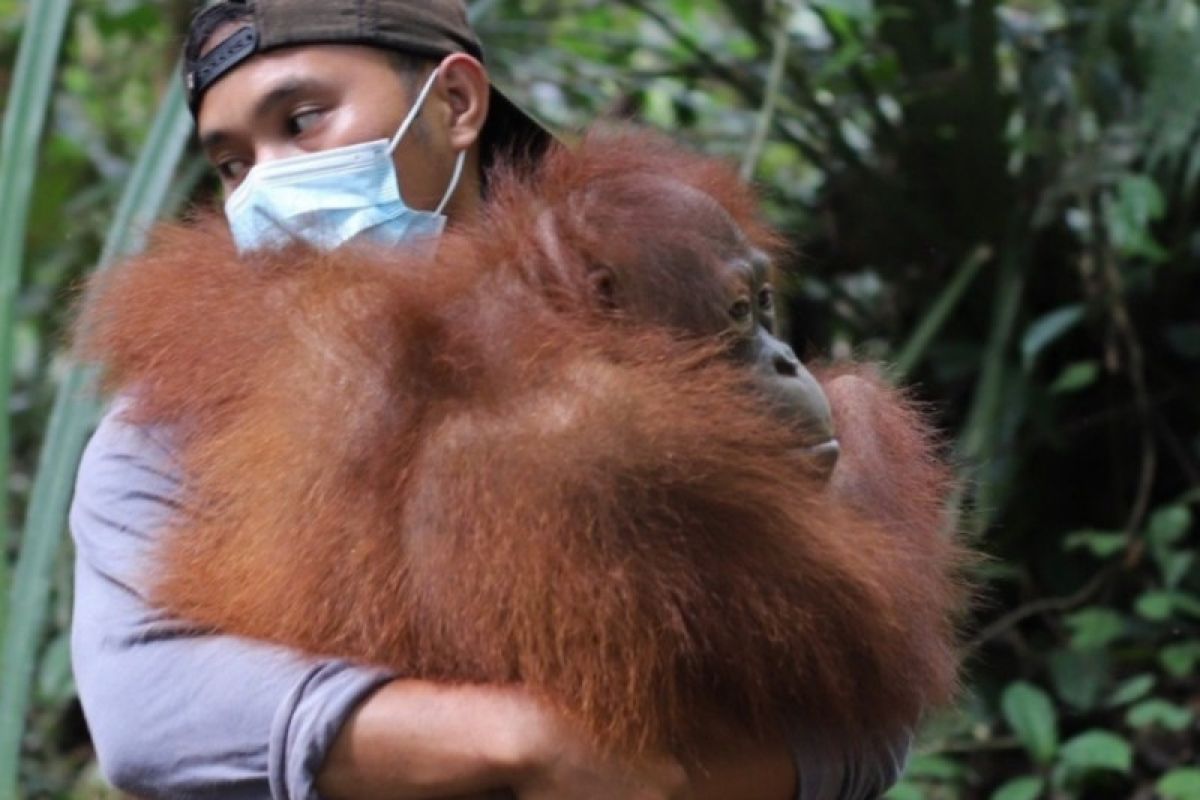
point(1031, 716)
point(998, 197)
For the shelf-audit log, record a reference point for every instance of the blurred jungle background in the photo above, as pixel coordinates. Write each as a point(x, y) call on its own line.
point(999, 199)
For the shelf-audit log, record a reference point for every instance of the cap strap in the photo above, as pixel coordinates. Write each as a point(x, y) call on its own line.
point(222, 58)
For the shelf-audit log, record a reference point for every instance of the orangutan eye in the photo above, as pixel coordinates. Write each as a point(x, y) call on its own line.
point(740, 310)
point(766, 299)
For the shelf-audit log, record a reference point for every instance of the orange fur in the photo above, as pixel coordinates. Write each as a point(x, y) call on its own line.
point(456, 468)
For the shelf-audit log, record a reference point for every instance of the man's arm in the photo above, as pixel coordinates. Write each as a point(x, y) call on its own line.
point(174, 712)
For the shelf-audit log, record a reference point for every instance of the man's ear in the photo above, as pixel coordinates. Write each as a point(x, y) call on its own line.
point(465, 89)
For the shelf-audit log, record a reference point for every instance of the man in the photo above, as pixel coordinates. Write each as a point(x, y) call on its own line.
point(298, 103)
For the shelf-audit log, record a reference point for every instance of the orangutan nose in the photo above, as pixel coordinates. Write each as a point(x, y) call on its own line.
point(786, 363)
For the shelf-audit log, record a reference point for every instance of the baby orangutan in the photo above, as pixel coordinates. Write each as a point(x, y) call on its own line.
point(539, 458)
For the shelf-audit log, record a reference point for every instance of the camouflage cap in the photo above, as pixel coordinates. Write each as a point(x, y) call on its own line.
point(431, 28)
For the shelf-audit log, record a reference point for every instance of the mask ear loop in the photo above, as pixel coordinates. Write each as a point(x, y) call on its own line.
point(417, 105)
point(458, 171)
point(412, 113)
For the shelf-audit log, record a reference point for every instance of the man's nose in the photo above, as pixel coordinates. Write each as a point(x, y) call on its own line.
point(275, 151)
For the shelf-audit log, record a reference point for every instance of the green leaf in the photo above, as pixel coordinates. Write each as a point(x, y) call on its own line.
point(1155, 606)
point(1079, 675)
point(1138, 203)
point(1097, 750)
point(1160, 713)
point(1093, 628)
point(1181, 783)
point(56, 685)
point(71, 420)
point(1168, 525)
point(1074, 377)
point(1133, 689)
point(1101, 544)
point(1180, 659)
point(1046, 329)
point(29, 93)
point(855, 9)
point(25, 112)
point(906, 790)
point(1031, 716)
point(1187, 603)
point(1175, 566)
point(1159, 606)
point(1028, 787)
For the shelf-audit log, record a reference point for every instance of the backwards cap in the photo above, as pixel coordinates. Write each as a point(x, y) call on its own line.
point(429, 28)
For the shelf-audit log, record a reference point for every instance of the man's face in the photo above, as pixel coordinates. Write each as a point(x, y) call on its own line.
point(305, 99)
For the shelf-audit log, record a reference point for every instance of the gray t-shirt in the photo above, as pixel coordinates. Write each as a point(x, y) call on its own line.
point(178, 713)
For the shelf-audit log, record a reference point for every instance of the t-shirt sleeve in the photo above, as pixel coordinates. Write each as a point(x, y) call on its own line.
point(173, 711)
point(864, 775)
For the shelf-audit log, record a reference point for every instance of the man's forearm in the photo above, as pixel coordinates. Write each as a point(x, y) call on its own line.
point(415, 739)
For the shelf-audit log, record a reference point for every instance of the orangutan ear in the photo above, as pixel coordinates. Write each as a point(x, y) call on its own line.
point(602, 288)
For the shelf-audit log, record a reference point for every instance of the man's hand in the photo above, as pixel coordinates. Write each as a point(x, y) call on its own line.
point(563, 765)
point(415, 739)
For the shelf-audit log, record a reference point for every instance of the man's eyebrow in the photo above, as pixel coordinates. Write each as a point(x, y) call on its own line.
point(282, 94)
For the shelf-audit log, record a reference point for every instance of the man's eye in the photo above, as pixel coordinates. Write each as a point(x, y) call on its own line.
point(232, 170)
point(302, 121)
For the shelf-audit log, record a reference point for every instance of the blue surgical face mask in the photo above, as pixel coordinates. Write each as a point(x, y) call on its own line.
point(332, 196)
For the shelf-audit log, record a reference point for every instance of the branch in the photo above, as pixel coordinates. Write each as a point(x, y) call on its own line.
point(767, 113)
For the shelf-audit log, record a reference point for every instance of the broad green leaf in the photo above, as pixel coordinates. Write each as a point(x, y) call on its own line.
point(1074, 377)
point(906, 790)
point(1166, 528)
point(1079, 675)
point(1101, 544)
point(71, 419)
point(1180, 659)
point(1133, 689)
point(1175, 566)
point(1031, 716)
point(1168, 525)
point(1137, 203)
point(1155, 606)
point(56, 684)
point(1097, 750)
point(1187, 602)
point(857, 9)
point(1095, 627)
point(29, 92)
point(1182, 783)
point(1160, 713)
point(29, 87)
point(1159, 606)
point(1028, 787)
point(1047, 328)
